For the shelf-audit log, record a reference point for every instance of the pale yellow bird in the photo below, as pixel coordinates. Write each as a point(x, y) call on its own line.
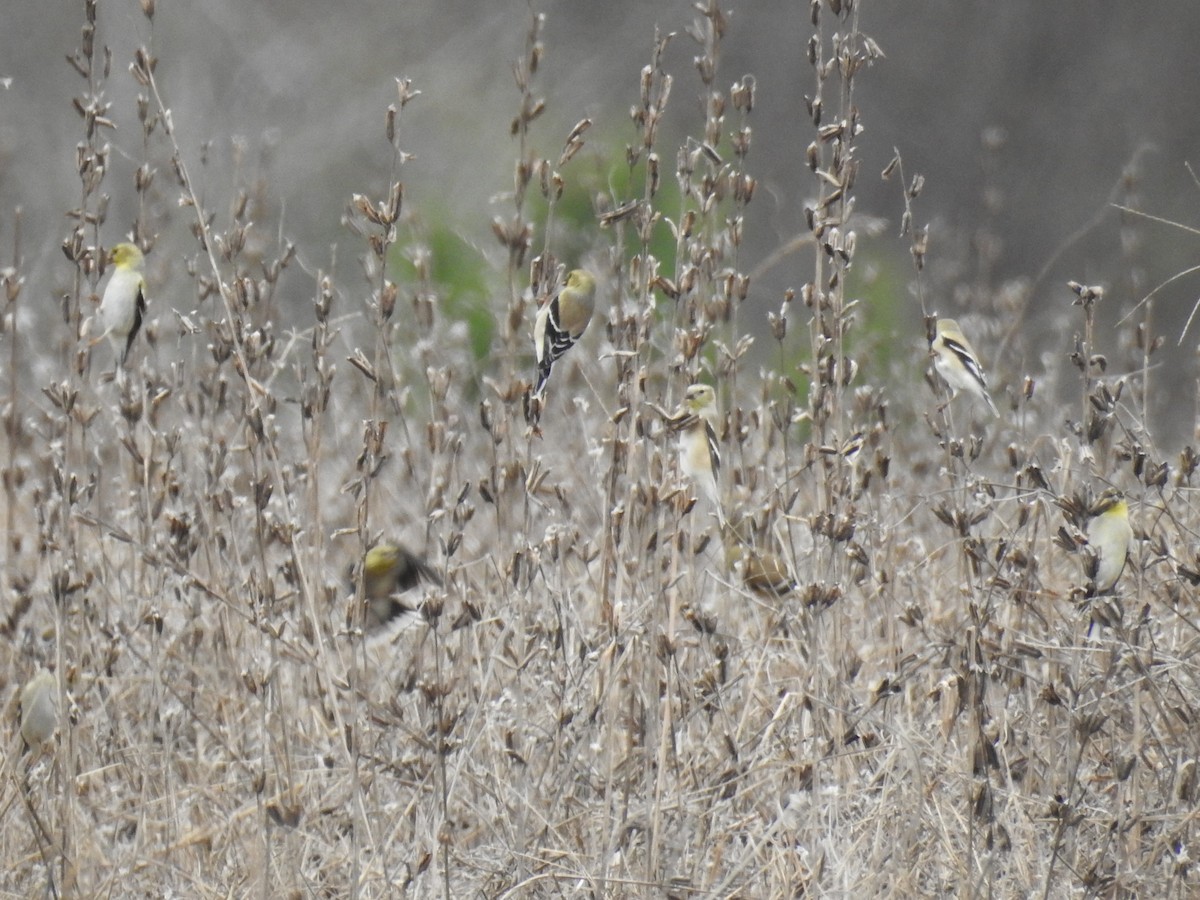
point(1110, 537)
point(561, 322)
point(957, 362)
point(699, 453)
point(124, 302)
point(388, 571)
point(39, 709)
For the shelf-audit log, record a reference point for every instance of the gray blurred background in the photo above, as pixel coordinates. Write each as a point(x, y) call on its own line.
point(1022, 116)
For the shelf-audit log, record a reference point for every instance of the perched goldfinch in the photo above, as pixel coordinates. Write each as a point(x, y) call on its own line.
point(958, 363)
point(124, 301)
point(761, 570)
point(561, 322)
point(1110, 538)
point(39, 709)
point(389, 570)
point(699, 455)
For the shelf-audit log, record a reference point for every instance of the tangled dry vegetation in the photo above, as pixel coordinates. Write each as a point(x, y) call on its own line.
point(595, 703)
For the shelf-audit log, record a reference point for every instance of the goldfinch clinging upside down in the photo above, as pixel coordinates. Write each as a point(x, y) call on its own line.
point(124, 300)
point(958, 363)
point(561, 322)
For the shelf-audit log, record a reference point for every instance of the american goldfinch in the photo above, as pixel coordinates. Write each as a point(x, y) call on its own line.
point(958, 363)
point(1110, 538)
point(764, 571)
point(124, 301)
point(389, 570)
point(39, 709)
point(699, 455)
point(561, 322)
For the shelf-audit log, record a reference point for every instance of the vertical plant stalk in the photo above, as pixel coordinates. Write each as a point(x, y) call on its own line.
point(257, 416)
point(81, 247)
point(11, 283)
point(832, 159)
point(516, 233)
point(624, 507)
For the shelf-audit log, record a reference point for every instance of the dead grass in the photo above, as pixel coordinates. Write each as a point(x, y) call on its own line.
point(594, 705)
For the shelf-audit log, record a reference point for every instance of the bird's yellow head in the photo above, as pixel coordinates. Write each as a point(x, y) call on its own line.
point(381, 560)
point(126, 256)
point(581, 280)
point(700, 398)
point(1111, 503)
point(948, 328)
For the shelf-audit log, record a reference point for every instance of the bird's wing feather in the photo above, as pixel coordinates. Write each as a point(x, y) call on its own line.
point(139, 312)
point(967, 358)
point(714, 450)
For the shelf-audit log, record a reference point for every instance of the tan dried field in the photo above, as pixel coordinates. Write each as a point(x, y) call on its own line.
point(875, 669)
